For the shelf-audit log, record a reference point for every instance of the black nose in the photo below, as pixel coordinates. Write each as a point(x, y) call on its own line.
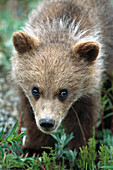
point(47, 123)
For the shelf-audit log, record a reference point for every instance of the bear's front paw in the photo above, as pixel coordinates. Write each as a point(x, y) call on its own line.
point(28, 152)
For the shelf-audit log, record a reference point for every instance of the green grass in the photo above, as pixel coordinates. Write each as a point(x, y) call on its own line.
point(57, 159)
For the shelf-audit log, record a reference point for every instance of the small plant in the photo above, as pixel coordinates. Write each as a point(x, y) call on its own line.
point(71, 156)
point(12, 139)
point(48, 161)
point(9, 159)
point(107, 138)
point(8, 146)
point(61, 142)
point(106, 157)
point(87, 155)
point(61, 149)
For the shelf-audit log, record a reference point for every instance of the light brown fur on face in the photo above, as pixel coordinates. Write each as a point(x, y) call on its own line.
point(63, 51)
point(53, 76)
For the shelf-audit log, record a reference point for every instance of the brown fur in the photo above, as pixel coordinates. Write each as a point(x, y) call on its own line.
point(24, 43)
point(67, 45)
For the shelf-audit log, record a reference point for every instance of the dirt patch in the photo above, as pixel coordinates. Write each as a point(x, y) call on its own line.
point(9, 102)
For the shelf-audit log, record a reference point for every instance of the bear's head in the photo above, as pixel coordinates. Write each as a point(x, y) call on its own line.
point(54, 75)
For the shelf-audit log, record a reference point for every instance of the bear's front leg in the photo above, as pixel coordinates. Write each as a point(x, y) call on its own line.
point(87, 108)
point(37, 140)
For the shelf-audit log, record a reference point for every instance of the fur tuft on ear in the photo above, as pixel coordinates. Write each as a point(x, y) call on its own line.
point(24, 42)
point(88, 50)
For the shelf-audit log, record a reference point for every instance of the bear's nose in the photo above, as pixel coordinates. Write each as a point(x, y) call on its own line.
point(47, 123)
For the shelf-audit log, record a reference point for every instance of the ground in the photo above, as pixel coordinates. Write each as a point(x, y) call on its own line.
point(9, 102)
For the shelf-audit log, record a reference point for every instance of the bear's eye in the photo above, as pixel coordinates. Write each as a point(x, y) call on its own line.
point(35, 92)
point(63, 94)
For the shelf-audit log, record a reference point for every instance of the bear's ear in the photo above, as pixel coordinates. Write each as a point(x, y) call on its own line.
point(24, 42)
point(88, 50)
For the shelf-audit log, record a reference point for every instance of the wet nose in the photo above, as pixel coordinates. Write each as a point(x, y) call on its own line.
point(47, 123)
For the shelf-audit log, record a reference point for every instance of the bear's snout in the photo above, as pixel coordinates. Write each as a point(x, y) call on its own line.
point(47, 124)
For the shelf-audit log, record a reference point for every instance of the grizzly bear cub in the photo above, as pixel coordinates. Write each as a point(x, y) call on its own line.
point(58, 64)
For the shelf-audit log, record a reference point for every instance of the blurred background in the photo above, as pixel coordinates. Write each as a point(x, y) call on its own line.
point(13, 14)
